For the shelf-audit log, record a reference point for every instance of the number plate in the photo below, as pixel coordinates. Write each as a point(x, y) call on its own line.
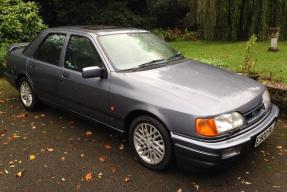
point(260, 138)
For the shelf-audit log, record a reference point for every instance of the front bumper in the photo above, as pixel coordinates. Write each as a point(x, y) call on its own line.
point(189, 151)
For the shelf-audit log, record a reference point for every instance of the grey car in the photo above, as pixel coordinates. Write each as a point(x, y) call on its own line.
point(128, 79)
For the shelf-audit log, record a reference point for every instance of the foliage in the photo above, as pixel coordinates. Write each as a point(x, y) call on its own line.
point(250, 58)
point(19, 21)
point(3, 53)
point(230, 55)
point(235, 20)
point(175, 34)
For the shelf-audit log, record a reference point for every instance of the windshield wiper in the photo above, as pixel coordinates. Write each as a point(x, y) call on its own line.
point(149, 64)
point(178, 54)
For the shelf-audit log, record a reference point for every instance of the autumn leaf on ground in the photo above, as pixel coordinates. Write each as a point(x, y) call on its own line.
point(108, 147)
point(63, 158)
point(89, 133)
point(50, 149)
point(22, 115)
point(88, 176)
point(36, 116)
point(1, 173)
point(42, 115)
point(179, 190)
point(32, 157)
point(100, 175)
point(279, 147)
point(1, 112)
point(3, 132)
point(113, 168)
point(102, 158)
point(197, 187)
point(127, 179)
point(82, 155)
point(15, 136)
point(20, 174)
point(1, 101)
point(121, 147)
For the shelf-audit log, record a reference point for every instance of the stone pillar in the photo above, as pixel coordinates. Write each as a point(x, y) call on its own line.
point(274, 34)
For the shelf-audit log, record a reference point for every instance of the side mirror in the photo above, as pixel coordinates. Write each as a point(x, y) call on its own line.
point(92, 72)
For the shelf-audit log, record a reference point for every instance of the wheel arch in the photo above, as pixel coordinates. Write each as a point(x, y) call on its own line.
point(142, 112)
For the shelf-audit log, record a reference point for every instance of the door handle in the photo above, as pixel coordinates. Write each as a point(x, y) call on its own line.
point(65, 75)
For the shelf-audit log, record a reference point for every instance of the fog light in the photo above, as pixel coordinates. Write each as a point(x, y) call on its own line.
point(230, 152)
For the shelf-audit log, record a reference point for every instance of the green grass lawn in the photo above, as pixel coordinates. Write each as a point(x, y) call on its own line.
point(231, 54)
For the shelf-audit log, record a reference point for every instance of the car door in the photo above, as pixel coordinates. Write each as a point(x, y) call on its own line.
point(89, 97)
point(43, 68)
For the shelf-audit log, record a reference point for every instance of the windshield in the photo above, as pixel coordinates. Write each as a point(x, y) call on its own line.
point(128, 51)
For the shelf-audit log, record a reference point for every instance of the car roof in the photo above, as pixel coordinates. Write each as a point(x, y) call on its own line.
point(98, 29)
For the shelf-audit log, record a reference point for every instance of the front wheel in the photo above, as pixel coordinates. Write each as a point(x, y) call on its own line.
point(151, 143)
point(27, 94)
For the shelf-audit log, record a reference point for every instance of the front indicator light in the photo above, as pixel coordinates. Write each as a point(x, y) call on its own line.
point(206, 127)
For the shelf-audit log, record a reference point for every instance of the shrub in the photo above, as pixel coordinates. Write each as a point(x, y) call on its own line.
point(250, 58)
point(3, 53)
point(19, 21)
point(175, 34)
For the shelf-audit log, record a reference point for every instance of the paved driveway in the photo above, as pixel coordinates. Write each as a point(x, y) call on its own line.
point(51, 150)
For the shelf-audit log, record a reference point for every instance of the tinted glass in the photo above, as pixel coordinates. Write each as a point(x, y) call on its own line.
point(81, 53)
point(50, 50)
point(128, 51)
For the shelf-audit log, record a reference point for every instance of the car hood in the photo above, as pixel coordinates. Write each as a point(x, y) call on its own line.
point(207, 89)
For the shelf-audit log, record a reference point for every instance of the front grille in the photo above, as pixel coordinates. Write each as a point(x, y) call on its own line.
point(255, 114)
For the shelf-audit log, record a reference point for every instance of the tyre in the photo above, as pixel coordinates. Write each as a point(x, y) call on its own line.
point(151, 143)
point(28, 95)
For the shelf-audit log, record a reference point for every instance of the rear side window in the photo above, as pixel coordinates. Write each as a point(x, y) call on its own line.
point(81, 53)
point(50, 49)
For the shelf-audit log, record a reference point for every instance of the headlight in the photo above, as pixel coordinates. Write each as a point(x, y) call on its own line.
point(219, 125)
point(266, 99)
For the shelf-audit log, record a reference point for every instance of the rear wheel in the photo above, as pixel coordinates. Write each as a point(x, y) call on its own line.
point(151, 143)
point(27, 94)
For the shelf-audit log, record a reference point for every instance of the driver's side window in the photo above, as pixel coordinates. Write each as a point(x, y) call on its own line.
point(81, 53)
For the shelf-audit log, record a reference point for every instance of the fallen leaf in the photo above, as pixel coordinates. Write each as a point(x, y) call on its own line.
point(100, 175)
point(102, 158)
point(3, 132)
point(1, 173)
point(20, 174)
point(22, 115)
point(15, 136)
point(63, 158)
point(1, 112)
point(247, 183)
point(88, 176)
point(50, 149)
point(42, 115)
point(279, 147)
point(179, 190)
point(122, 147)
point(11, 162)
point(63, 179)
point(108, 147)
point(89, 133)
point(114, 169)
point(36, 116)
point(127, 179)
point(1, 101)
point(197, 187)
point(32, 157)
point(82, 155)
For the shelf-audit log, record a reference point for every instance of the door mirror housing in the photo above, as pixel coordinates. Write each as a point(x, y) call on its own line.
point(93, 72)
